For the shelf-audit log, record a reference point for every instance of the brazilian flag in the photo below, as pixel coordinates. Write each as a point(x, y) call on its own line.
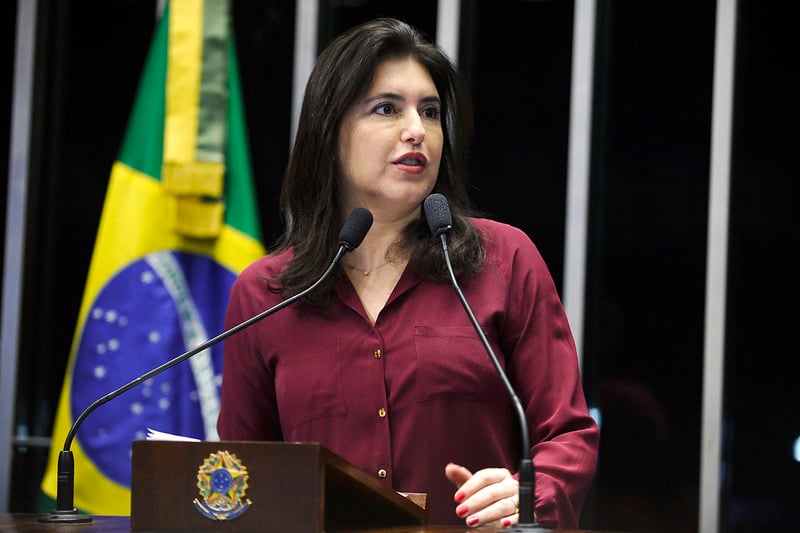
point(179, 222)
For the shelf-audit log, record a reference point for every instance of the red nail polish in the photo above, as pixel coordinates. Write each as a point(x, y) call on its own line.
point(506, 522)
point(472, 520)
point(459, 497)
point(462, 511)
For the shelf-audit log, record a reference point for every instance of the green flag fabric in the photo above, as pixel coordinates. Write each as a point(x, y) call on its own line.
point(179, 222)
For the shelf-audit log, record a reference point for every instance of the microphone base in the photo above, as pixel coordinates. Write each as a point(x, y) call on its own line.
point(520, 528)
point(66, 517)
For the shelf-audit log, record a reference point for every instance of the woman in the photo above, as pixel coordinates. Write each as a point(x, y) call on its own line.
point(380, 364)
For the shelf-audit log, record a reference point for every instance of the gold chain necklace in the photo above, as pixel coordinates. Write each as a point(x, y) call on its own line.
point(367, 271)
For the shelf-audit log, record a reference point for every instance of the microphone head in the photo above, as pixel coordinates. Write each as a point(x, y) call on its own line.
point(355, 228)
point(437, 212)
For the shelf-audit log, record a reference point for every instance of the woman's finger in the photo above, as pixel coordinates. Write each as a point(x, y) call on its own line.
point(457, 474)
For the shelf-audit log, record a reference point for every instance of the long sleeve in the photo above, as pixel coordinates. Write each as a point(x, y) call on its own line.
point(542, 365)
point(248, 405)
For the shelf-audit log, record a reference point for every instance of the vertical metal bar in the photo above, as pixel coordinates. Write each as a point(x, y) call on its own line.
point(448, 18)
point(716, 269)
point(19, 151)
point(305, 55)
point(578, 167)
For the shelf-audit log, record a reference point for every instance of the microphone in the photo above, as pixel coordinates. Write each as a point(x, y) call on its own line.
point(437, 212)
point(353, 232)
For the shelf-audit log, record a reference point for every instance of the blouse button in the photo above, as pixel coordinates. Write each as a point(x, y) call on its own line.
point(381, 412)
point(377, 353)
point(382, 473)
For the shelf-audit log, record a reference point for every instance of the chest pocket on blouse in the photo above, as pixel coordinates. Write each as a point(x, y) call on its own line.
point(309, 386)
point(452, 363)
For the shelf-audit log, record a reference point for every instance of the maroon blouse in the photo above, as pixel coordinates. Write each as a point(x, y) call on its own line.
point(417, 390)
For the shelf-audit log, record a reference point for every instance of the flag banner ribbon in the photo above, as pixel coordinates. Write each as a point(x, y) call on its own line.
point(196, 115)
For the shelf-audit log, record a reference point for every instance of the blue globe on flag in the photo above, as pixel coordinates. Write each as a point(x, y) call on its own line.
point(155, 309)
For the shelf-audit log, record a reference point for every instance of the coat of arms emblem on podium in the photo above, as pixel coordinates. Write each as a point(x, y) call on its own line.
point(222, 481)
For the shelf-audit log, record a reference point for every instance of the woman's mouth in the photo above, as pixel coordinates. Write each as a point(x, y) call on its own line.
point(411, 162)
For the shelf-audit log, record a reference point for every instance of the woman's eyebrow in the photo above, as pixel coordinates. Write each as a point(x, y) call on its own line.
point(395, 96)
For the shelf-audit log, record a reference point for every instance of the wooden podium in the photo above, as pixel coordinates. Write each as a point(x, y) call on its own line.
point(258, 486)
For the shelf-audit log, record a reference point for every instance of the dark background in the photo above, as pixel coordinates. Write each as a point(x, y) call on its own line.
point(643, 349)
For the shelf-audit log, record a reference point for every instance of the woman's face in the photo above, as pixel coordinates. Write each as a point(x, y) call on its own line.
point(390, 142)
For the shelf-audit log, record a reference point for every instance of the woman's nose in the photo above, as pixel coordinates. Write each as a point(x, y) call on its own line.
point(413, 129)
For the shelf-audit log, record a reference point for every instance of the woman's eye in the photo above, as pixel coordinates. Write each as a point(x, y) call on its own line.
point(430, 112)
point(384, 109)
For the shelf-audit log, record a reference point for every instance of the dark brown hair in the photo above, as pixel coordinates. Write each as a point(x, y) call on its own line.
point(309, 199)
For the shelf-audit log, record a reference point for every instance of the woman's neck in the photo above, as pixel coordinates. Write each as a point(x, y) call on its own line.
point(381, 246)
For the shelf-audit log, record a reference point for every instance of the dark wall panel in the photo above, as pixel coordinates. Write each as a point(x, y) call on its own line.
point(646, 270)
point(762, 426)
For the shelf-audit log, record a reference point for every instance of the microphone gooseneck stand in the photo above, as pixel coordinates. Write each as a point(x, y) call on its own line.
point(353, 232)
point(437, 211)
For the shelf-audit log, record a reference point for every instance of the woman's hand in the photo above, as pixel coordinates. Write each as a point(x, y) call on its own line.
point(489, 495)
